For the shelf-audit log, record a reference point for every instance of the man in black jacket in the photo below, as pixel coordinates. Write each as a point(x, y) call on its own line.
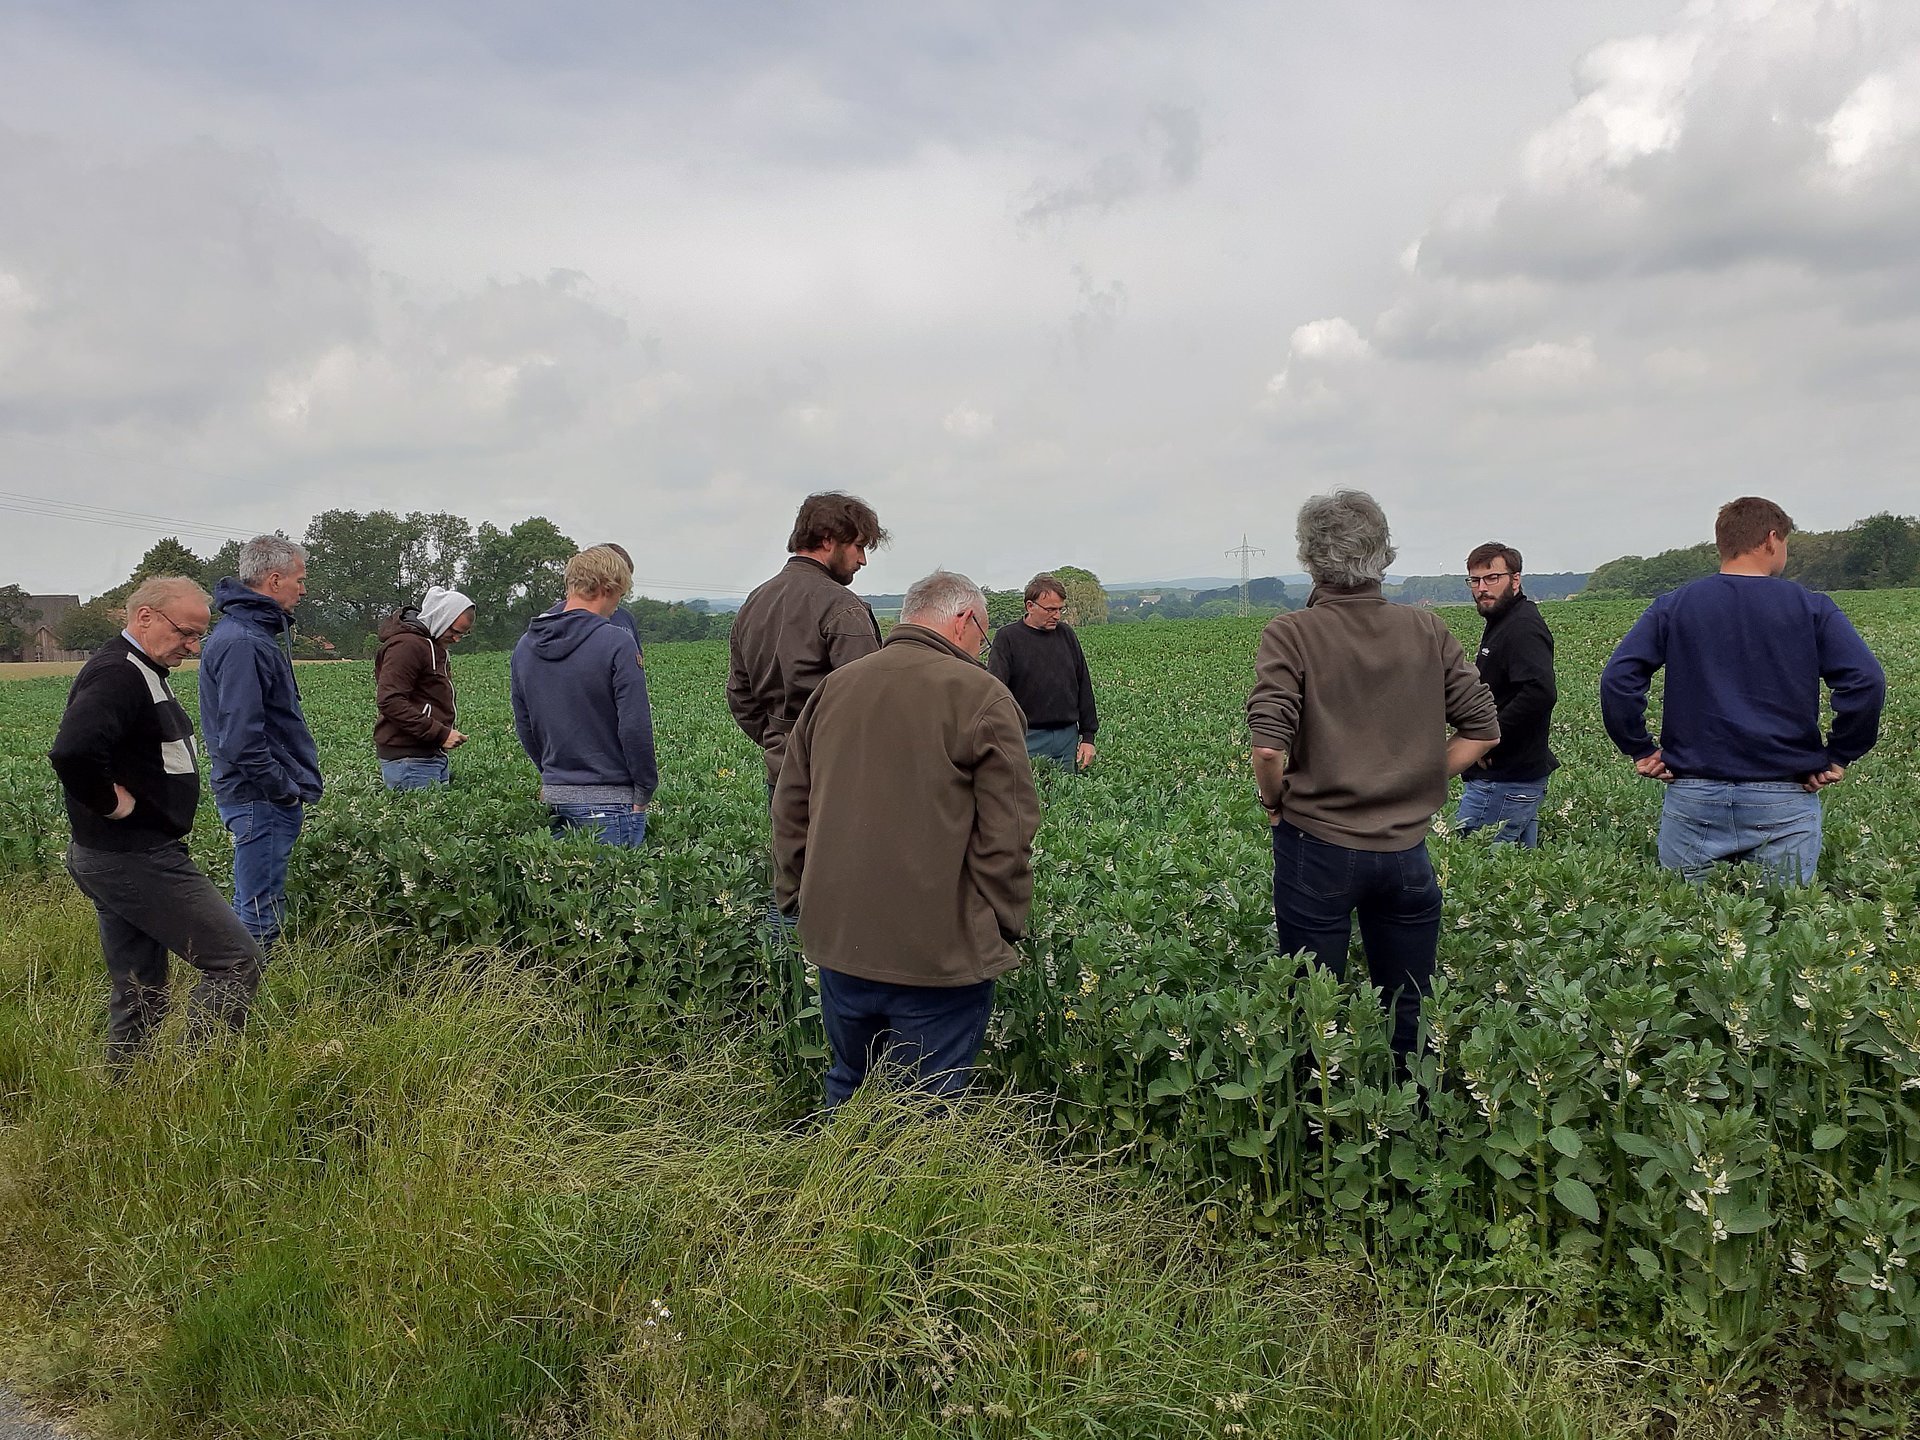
point(1505, 790)
point(1038, 658)
point(126, 761)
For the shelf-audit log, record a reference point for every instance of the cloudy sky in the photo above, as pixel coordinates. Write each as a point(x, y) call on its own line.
point(1106, 284)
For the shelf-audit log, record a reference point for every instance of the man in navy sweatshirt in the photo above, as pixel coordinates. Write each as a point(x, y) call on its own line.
point(266, 768)
point(580, 705)
point(126, 762)
point(1740, 747)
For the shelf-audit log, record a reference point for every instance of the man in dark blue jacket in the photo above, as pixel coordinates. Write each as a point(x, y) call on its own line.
point(266, 768)
point(580, 705)
point(1740, 746)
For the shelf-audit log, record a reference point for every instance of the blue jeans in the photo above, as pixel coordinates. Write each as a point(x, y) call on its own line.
point(417, 772)
point(1512, 807)
point(263, 835)
point(1058, 745)
point(1318, 889)
point(620, 825)
point(1774, 824)
point(933, 1031)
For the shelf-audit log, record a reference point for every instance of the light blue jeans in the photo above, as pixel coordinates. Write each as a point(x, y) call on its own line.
point(620, 825)
point(417, 772)
point(1774, 824)
point(1510, 807)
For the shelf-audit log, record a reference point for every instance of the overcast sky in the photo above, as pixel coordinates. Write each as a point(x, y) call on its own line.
point(1106, 284)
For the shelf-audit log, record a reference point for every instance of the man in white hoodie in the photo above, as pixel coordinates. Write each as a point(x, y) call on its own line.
point(413, 690)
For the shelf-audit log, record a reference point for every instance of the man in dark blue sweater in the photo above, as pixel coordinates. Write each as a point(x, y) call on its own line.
point(580, 706)
point(1740, 747)
point(126, 761)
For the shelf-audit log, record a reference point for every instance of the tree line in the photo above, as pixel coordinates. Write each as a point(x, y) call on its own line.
point(1881, 552)
point(362, 567)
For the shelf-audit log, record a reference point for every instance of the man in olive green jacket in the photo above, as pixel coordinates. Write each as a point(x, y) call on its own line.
point(903, 828)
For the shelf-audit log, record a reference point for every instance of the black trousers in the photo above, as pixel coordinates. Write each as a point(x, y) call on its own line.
point(152, 903)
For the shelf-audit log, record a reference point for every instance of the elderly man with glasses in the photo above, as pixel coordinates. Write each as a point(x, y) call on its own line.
point(1504, 791)
point(1038, 658)
point(903, 828)
point(126, 761)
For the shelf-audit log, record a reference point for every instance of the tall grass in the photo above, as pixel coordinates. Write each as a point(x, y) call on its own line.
point(442, 1203)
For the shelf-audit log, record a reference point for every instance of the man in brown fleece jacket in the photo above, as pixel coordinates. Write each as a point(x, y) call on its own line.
point(903, 830)
point(1349, 714)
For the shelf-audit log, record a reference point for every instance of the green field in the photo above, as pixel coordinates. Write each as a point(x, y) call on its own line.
point(1665, 1178)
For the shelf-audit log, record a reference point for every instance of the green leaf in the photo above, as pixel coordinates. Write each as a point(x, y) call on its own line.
point(1578, 1197)
point(1828, 1136)
point(1638, 1145)
point(1233, 1091)
point(1564, 1140)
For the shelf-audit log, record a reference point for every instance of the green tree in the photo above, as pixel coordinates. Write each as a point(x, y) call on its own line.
point(1086, 600)
point(89, 626)
point(358, 569)
point(1881, 554)
point(1004, 607)
point(17, 614)
point(164, 557)
point(224, 562)
point(512, 576)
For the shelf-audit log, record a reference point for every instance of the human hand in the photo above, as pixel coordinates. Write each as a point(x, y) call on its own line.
point(1083, 757)
point(1654, 767)
point(123, 806)
point(1820, 779)
point(453, 741)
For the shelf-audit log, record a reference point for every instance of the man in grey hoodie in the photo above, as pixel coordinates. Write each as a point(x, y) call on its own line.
point(580, 706)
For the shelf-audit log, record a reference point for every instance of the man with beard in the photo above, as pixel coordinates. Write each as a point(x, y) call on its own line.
point(1504, 791)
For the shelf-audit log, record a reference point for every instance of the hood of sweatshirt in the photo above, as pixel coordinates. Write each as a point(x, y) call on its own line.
point(402, 622)
point(231, 598)
point(558, 633)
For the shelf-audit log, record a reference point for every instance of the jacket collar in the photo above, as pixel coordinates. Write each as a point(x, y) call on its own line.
point(1322, 595)
point(809, 560)
point(927, 639)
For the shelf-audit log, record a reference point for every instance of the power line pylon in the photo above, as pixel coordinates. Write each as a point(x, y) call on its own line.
point(1246, 553)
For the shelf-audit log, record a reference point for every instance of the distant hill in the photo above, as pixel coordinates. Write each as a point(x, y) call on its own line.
point(1881, 552)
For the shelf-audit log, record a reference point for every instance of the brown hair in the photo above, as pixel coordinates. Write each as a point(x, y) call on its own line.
point(599, 571)
point(1044, 585)
point(834, 517)
point(1744, 525)
point(1493, 550)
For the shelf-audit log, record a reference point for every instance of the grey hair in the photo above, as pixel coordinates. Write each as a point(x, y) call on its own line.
point(266, 555)
point(158, 590)
point(1344, 540)
point(940, 597)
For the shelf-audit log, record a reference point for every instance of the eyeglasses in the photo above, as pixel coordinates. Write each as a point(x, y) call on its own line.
point(974, 616)
point(1059, 609)
point(1483, 582)
point(192, 637)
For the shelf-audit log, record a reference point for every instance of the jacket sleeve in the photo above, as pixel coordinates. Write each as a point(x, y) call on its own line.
point(635, 718)
point(1627, 677)
point(1089, 712)
point(1530, 667)
point(233, 708)
point(849, 631)
point(1273, 709)
point(792, 811)
point(748, 713)
point(1006, 815)
point(395, 691)
point(1858, 682)
point(523, 722)
point(1470, 708)
point(89, 737)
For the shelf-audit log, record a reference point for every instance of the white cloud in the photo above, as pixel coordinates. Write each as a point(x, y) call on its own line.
point(963, 422)
point(1544, 366)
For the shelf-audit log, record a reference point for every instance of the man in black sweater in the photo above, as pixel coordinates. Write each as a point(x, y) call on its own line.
point(126, 760)
point(1505, 790)
point(1038, 658)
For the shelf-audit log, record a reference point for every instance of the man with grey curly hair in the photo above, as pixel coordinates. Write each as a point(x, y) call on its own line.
point(903, 826)
point(1352, 702)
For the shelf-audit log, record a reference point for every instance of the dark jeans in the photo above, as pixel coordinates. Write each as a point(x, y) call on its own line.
point(1060, 745)
point(263, 835)
point(1319, 888)
point(934, 1032)
point(150, 903)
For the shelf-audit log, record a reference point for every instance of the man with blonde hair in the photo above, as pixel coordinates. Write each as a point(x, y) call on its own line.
point(903, 830)
point(580, 706)
point(126, 762)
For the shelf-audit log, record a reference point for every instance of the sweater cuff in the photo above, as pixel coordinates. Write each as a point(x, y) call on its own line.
point(1271, 740)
